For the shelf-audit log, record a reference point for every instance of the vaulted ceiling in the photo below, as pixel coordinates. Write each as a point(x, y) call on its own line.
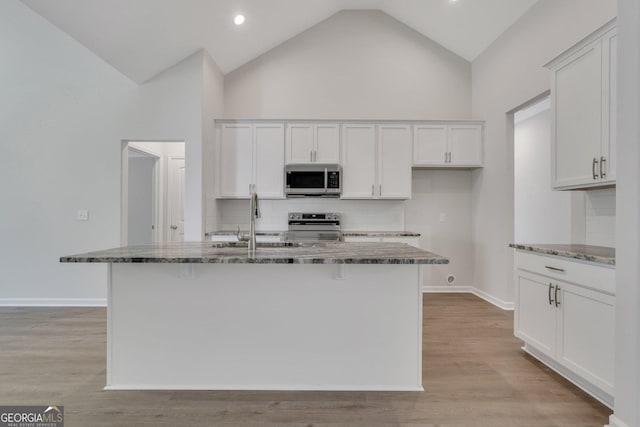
point(141, 38)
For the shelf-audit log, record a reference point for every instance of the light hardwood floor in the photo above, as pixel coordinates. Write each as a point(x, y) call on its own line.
point(475, 374)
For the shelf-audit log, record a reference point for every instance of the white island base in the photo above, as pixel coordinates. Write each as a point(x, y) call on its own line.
point(264, 326)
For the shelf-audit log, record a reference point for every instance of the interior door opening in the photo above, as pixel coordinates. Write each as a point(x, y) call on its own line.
point(541, 215)
point(152, 191)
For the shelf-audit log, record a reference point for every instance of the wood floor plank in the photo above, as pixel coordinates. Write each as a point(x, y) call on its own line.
point(474, 374)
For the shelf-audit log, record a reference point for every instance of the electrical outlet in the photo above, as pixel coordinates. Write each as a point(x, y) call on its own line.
point(82, 215)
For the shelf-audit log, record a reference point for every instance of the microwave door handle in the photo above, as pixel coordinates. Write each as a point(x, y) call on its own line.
point(326, 179)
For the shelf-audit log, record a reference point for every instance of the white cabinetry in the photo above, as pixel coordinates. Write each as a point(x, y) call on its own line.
point(409, 240)
point(565, 314)
point(313, 143)
point(447, 145)
point(583, 92)
point(251, 158)
point(376, 161)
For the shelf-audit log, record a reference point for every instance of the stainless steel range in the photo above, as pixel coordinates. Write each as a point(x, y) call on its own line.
point(314, 227)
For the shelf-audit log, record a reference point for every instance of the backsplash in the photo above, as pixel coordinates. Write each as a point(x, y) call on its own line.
point(601, 217)
point(374, 215)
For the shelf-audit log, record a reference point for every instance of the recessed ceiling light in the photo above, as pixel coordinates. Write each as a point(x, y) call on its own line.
point(239, 19)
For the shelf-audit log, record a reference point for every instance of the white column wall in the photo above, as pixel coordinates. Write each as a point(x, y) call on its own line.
point(506, 75)
point(627, 348)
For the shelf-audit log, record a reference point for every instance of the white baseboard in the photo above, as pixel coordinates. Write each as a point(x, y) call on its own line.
point(505, 305)
point(447, 289)
point(265, 387)
point(53, 302)
point(615, 422)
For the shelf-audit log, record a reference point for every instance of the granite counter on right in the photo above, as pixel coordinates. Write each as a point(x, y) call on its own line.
point(581, 252)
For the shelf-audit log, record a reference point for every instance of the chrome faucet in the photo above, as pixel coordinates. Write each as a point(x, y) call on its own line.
point(254, 212)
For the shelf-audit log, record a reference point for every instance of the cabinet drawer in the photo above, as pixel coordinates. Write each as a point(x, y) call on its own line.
point(600, 278)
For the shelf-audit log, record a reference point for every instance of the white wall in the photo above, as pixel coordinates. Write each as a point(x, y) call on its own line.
point(509, 73)
point(64, 113)
point(372, 215)
point(354, 65)
point(601, 217)
point(212, 106)
point(367, 65)
point(169, 107)
point(447, 192)
point(61, 120)
point(627, 348)
point(541, 215)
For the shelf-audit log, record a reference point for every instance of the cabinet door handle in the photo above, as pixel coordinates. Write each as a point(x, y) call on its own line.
point(380, 190)
point(561, 270)
point(603, 174)
point(449, 156)
point(446, 157)
point(550, 300)
point(593, 168)
point(555, 296)
point(311, 156)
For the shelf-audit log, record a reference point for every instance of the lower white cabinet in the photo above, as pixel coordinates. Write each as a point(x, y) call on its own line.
point(565, 314)
point(409, 240)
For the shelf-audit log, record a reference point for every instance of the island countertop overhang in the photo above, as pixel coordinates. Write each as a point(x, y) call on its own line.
point(207, 253)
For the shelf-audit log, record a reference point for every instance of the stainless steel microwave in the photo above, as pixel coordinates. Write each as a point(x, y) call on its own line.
point(313, 180)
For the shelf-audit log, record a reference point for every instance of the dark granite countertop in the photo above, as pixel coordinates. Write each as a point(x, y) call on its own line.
point(208, 252)
point(345, 233)
point(598, 254)
point(358, 233)
point(235, 232)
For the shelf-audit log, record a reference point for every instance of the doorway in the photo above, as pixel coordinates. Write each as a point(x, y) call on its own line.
point(541, 215)
point(153, 188)
point(142, 215)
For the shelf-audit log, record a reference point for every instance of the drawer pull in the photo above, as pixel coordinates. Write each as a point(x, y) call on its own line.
point(554, 268)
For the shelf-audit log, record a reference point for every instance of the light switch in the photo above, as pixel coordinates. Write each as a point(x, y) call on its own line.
point(82, 215)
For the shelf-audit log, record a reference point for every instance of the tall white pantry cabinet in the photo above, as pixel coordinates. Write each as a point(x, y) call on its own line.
point(583, 102)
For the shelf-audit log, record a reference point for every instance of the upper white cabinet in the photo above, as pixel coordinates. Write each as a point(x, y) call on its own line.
point(313, 143)
point(447, 145)
point(394, 161)
point(251, 158)
point(583, 99)
point(376, 161)
point(358, 161)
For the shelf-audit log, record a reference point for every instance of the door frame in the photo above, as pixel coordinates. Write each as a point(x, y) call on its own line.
point(168, 216)
point(156, 196)
point(160, 216)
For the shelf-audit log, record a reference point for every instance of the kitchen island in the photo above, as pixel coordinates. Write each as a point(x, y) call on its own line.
point(201, 315)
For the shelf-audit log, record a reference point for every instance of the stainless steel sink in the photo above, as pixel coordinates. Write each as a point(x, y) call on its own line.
point(258, 245)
